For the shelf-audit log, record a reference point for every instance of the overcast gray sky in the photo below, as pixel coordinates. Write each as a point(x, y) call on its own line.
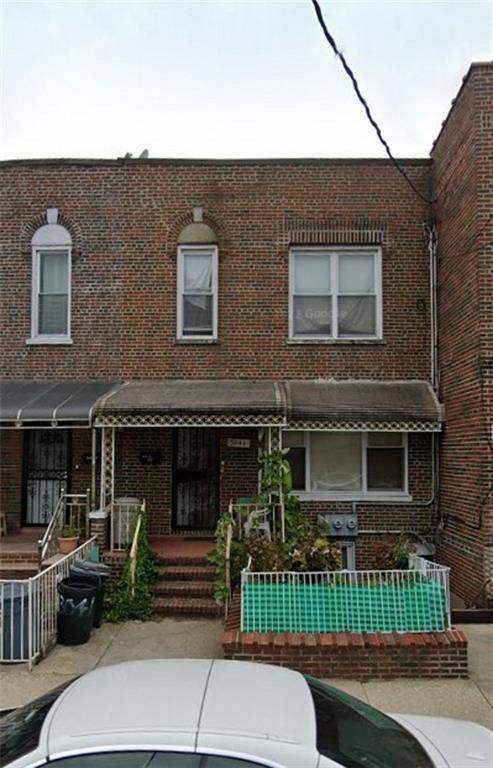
point(230, 78)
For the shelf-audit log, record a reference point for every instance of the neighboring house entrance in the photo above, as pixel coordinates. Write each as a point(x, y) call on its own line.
point(46, 472)
point(195, 478)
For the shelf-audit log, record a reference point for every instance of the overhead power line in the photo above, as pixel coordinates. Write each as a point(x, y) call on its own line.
point(363, 101)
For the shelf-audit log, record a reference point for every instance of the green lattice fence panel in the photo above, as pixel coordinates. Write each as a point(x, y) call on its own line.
point(303, 607)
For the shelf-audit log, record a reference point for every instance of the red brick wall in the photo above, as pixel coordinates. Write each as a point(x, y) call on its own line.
point(366, 656)
point(150, 482)
point(11, 452)
point(239, 466)
point(126, 219)
point(462, 173)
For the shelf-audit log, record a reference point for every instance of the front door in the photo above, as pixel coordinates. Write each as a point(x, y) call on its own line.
point(195, 478)
point(46, 472)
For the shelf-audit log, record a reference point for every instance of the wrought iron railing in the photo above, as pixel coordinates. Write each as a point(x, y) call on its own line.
point(413, 600)
point(29, 607)
point(72, 510)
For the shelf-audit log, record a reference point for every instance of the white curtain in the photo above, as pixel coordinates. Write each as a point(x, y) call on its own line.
point(335, 461)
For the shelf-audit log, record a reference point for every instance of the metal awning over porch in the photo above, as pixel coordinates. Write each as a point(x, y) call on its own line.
point(321, 404)
point(364, 405)
point(174, 402)
point(50, 403)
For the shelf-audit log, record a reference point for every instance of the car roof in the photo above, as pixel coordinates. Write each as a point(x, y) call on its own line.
point(258, 710)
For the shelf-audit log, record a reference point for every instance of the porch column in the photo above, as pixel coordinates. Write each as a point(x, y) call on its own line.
point(107, 466)
point(93, 468)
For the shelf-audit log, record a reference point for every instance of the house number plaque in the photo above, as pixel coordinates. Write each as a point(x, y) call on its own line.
point(237, 442)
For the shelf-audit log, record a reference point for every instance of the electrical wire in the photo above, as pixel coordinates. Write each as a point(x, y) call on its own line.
point(349, 72)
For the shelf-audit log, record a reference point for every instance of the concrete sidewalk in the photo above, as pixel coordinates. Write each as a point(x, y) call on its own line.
point(172, 638)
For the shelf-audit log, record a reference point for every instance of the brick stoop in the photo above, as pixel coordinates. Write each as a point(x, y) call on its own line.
point(184, 588)
point(12, 571)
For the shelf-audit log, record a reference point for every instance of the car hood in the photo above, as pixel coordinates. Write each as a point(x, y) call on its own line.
point(461, 744)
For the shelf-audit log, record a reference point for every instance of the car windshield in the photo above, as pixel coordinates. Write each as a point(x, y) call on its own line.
point(357, 736)
point(20, 729)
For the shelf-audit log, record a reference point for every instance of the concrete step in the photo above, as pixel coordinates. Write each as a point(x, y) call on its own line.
point(187, 572)
point(183, 589)
point(181, 606)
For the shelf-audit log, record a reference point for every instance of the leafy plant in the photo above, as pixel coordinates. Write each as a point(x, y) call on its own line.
point(392, 554)
point(266, 555)
point(69, 532)
point(314, 552)
point(120, 603)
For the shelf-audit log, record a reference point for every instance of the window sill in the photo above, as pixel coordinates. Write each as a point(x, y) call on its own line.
point(335, 342)
point(192, 340)
point(390, 498)
point(41, 341)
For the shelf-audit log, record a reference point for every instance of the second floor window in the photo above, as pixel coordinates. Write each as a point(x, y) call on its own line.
point(197, 292)
point(335, 293)
point(51, 283)
point(52, 280)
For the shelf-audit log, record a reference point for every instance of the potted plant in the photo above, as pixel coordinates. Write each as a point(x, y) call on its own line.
point(68, 539)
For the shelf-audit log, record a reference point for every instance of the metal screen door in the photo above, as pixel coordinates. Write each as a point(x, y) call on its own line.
point(46, 473)
point(195, 478)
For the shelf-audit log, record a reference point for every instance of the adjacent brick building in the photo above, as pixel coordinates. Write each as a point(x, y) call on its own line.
point(463, 183)
point(201, 293)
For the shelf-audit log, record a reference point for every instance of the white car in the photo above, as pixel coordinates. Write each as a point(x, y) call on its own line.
point(194, 713)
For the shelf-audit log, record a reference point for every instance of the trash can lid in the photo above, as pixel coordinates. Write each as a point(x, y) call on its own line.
point(101, 569)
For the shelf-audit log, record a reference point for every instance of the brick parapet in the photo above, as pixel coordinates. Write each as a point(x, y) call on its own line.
point(364, 656)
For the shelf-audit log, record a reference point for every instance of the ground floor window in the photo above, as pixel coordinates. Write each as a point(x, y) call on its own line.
point(347, 464)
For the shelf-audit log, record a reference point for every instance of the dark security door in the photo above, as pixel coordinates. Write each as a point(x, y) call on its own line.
point(45, 473)
point(195, 479)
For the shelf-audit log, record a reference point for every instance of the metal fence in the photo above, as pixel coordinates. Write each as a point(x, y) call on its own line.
point(414, 600)
point(72, 510)
point(123, 518)
point(29, 607)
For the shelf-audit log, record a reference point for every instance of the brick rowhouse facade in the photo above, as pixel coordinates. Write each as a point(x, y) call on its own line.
point(463, 182)
point(125, 218)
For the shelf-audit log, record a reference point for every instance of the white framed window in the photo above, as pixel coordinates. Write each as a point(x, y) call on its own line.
point(197, 292)
point(335, 293)
point(348, 465)
point(51, 283)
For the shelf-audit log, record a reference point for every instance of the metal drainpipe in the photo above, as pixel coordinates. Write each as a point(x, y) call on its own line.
point(432, 250)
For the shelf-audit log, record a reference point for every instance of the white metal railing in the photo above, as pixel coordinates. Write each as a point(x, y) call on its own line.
point(414, 600)
point(29, 607)
point(72, 509)
point(123, 514)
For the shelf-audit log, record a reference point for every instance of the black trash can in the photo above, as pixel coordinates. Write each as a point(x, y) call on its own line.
point(92, 573)
point(76, 611)
point(15, 624)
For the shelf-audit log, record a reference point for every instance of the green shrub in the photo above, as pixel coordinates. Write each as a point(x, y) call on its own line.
point(392, 554)
point(120, 604)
